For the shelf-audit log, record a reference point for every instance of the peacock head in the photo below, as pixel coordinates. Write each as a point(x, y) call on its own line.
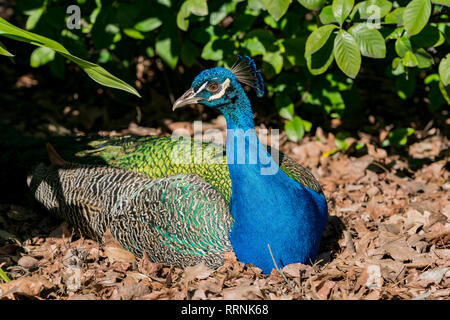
point(220, 88)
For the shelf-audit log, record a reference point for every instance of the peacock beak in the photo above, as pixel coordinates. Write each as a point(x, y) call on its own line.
point(187, 98)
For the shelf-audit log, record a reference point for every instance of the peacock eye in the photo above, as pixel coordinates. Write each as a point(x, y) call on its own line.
point(212, 87)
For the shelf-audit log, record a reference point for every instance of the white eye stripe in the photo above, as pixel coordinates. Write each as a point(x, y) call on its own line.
point(201, 88)
point(220, 94)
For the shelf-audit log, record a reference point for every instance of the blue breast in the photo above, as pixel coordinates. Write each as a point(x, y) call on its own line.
point(272, 209)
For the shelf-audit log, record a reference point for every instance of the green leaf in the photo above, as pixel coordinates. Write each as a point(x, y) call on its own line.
point(105, 28)
point(132, 33)
point(347, 53)
point(326, 15)
point(217, 16)
point(196, 7)
point(295, 51)
point(34, 18)
point(318, 38)
point(340, 140)
point(285, 106)
point(425, 60)
point(312, 4)
point(410, 60)
point(3, 276)
point(402, 45)
point(4, 51)
point(445, 90)
point(434, 95)
point(189, 53)
point(150, 52)
point(442, 2)
point(321, 60)
point(416, 15)
point(41, 56)
point(341, 9)
point(164, 48)
point(274, 59)
point(148, 24)
point(397, 66)
point(405, 86)
point(396, 33)
point(295, 129)
point(370, 41)
point(271, 22)
point(209, 53)
point(276, 8)
point(199, 7)
point(96, 72)
point(398, 137)
point(429, 37)
point(254, 46)
point(444, 70)
point(375, 9)
point(394, 17)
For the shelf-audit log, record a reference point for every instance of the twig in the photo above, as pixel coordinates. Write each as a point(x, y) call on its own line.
point(278, 269)
point(349, 242)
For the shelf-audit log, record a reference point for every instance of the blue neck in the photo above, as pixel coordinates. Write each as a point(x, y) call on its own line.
point(244, 150)
point(268, 208)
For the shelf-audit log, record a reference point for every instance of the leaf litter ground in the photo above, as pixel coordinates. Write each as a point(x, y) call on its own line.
point(387, 237)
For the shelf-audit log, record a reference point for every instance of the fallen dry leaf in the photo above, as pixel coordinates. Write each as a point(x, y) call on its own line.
point(27, 286)
point(114, 250)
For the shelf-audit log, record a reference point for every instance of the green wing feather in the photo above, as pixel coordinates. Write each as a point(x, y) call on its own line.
point(158, 157)
point(179, 219)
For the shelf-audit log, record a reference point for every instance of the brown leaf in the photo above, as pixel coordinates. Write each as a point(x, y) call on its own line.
point(325, 289)
point(439, 236)
point(399, 250)
point(199, 271)
point(147, 267)
point(114, 250)
point(62, 231)
point(293, 270)
point(89, 296)
point(242, 292)
point(373, 295)
point(129, 291)
point(9, 249)
point(435, 275)
point(28, 262)
point(27, 286)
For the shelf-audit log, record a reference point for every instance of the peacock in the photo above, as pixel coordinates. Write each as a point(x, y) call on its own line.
point(155, 196)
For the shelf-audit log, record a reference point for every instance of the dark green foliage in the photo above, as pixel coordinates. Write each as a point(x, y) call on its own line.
point(313, 53)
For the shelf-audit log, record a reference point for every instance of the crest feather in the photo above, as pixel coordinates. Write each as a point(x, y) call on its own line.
point(247, 73)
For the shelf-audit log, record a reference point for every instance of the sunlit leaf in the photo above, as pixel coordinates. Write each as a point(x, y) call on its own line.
point(370, 40)
point(416, 15)
point(347, 53)
point(341, 9)
point(424, 59)
point(41, 56)
point(410, 60)
point(320, 61)
point(326, 15)
point(402, 45)
point(375, 9)
point(96, 72)
point(276, 8)
point(312, 4)
point(4, 51)
point(444, 70)
point(148, 24)
point(395, 16)
point(196, 7)
point(318, 38)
